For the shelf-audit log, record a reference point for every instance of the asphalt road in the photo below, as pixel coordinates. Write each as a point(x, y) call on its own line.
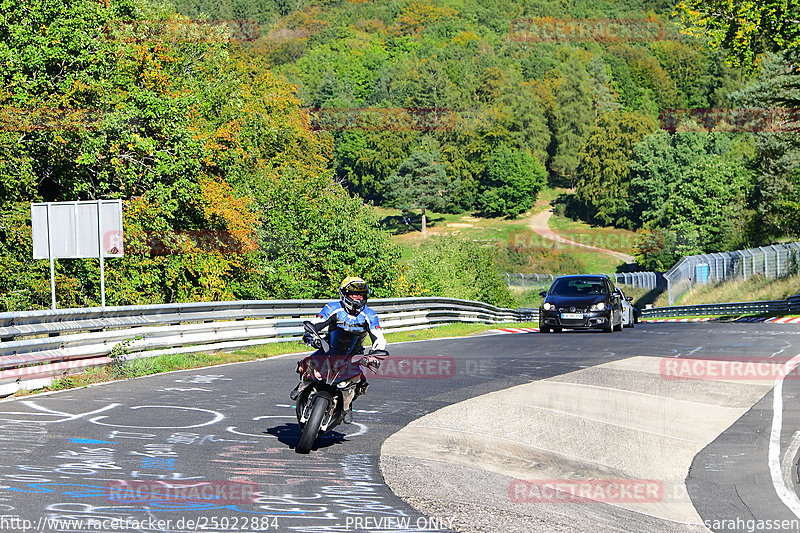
point(134, 456)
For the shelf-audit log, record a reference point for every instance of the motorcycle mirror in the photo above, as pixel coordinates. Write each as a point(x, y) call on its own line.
point(378, 353)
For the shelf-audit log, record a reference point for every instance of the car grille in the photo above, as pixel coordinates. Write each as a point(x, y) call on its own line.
point(573, 309)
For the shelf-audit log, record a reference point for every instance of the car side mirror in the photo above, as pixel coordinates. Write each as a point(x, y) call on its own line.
point(543, 294)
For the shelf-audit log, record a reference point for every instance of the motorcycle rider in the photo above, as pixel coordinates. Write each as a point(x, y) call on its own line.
point(349, 321)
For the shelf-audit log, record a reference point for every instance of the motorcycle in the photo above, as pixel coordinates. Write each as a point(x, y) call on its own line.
point(320, 407)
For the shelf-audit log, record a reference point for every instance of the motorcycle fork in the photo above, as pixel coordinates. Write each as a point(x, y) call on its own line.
point(309, 405)
point(326, 421)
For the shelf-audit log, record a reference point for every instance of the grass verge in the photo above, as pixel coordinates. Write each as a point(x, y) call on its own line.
point(168, 363)
point(616, 239)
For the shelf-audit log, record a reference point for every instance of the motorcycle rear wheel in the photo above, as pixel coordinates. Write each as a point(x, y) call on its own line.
point(311, 427)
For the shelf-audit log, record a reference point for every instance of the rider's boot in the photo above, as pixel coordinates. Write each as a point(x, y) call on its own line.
point(348, 395)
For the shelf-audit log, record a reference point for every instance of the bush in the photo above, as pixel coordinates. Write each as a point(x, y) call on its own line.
point(527, 253)
point(458, 269)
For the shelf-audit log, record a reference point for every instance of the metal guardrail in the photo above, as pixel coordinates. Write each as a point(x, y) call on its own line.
point(790, 305)
point(36, 346)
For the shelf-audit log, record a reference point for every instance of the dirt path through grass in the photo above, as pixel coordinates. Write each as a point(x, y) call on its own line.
point(538, 224)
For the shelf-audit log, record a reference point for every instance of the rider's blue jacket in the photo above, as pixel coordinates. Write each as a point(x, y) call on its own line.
point(345, 331)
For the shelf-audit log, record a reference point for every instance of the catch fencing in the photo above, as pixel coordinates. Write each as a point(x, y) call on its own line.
point(37, 346)
point(541, 282)
point(772, 261)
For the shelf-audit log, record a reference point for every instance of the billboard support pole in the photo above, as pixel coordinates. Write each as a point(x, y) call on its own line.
point(52, 262)
point(100, 254)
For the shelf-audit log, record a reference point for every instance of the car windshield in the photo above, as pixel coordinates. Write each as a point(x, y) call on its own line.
point(578, 287)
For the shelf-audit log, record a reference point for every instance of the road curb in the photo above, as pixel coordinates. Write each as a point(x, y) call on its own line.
point(596, 423)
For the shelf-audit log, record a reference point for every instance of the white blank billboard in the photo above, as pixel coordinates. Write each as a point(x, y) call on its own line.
point(76, 229)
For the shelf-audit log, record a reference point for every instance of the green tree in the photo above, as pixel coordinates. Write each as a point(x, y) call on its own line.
point(656, 249)
point(604, 171)
point(603, 98)
point(776, 195)
point(690, 191)
point(571, 123)
point(511, 181)
point(420, 183)
point(648, 75)
point(365, 160)
point(528, 106)
point(707, 207)
point(745, 30)
point(656, 166)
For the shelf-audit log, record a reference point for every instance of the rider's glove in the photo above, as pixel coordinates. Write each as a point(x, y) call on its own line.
point(309, 339)
point(379, 344)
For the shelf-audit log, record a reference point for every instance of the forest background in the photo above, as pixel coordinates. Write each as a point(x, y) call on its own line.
point(248, 152)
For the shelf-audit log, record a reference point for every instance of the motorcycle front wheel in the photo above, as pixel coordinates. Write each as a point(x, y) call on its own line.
point(311, 427)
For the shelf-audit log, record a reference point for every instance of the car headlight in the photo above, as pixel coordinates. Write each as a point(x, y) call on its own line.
point(547, 306)
point(599, 306)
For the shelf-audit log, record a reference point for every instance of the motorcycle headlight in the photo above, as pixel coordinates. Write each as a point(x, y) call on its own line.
point(599, 306)
point(547, 306)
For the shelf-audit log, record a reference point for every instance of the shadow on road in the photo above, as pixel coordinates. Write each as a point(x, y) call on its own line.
point(289, 434)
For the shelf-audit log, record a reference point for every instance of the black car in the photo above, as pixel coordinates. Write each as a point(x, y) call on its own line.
point(581, 302)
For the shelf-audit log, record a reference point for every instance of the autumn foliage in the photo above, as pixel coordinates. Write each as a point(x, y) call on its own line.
point(227, 192)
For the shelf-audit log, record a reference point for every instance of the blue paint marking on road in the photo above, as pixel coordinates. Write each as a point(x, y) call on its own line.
point(90, 441)
point(158, 504)
point(83, 491)
point(158, 463)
